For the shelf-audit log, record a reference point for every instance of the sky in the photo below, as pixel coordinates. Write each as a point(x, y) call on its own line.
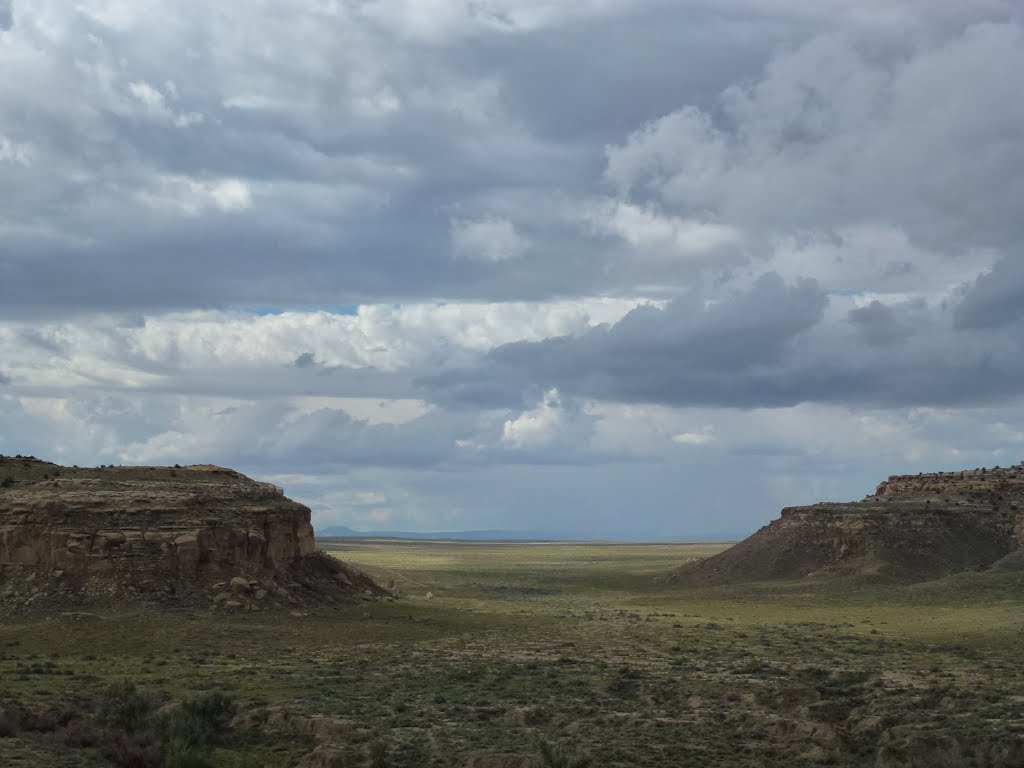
point(600, 268)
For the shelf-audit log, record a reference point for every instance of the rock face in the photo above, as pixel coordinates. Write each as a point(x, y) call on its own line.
point(912, 527)
point(160, 532)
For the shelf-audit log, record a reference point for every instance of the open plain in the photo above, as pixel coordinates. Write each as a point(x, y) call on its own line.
point(516, 654)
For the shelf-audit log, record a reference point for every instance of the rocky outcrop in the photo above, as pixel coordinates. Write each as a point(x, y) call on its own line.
point(166, 533)
point(912, 527)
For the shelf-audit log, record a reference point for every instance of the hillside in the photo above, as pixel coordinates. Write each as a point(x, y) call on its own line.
point(200, 534)
point(912, 527)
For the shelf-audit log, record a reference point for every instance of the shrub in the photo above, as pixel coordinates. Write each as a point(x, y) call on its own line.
point(137, 750)
point(200, 722)
point(7, 482)
point(956, 755)
point(554, 756)
point(80, 733)
point(378, 754)
point(125, 707)
point(47, 720)
point(178, 755)
point(8, 725)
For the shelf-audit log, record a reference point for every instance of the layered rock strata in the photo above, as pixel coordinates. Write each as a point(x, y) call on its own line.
point(912, 527)
point(159, 532)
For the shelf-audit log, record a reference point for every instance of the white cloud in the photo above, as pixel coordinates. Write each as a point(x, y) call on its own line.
point(191, 197)
point(230, 194)
point(555, 430)
point(148, 95)
point(1004, 433)
point(536, 427)
point(489, 239)
point(196, 350)
point(156, 104)
point(13, 152)
point(654, 234)
point(702, 437)
point(120, 15)
point(683, 147)
point(880, 260)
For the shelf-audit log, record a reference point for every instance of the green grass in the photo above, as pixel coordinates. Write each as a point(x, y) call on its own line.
point(573, 645)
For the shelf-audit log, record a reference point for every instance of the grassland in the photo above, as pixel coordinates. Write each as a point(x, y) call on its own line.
point(494, 649)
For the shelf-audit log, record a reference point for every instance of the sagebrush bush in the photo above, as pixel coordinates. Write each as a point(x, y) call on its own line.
point(200, 722)
point(136, 750)
point(378, 752)
point(554, 756)
point(8, 725)
point(81, 732)
point(178, 755)
point(124, 707)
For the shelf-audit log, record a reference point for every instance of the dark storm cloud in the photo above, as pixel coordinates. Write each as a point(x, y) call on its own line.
point(996, 298)
point(638, 57)
point(691, 351)
point(770, 347)
point(305, 360)
point(881, 324)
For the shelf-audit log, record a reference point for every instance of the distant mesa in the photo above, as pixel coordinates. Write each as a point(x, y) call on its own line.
point(914, 527)
point(496, 534)
point(199, 535)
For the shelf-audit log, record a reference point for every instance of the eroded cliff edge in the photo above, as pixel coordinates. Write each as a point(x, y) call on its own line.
point(196, 533)
point(912, 527)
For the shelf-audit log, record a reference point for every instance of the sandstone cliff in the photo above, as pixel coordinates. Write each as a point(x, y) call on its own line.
point(165, 533)
point(912, 527)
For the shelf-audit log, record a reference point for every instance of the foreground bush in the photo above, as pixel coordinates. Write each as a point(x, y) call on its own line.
point(553, 756)
point(124, 707)
point(135, 736)
point(135, 750)
point(200, 722)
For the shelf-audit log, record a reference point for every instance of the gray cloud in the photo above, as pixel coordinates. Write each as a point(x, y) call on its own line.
point(996, 298)
point(812, 212)
point(881, 324)
point(773, 346)
point(837, 133)
point(688, 352)
point(305, 360)
point(122, 202)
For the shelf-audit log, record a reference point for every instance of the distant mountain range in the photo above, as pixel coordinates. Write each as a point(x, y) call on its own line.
point(490, 535)
point(501, 535)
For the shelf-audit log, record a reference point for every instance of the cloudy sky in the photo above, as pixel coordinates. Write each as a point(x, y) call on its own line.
point(607, 268)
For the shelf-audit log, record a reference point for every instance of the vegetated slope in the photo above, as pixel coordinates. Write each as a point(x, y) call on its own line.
point(913, 527)
point(199, 534)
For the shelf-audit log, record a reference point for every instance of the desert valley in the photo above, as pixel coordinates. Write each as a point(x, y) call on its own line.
point(184, 616)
